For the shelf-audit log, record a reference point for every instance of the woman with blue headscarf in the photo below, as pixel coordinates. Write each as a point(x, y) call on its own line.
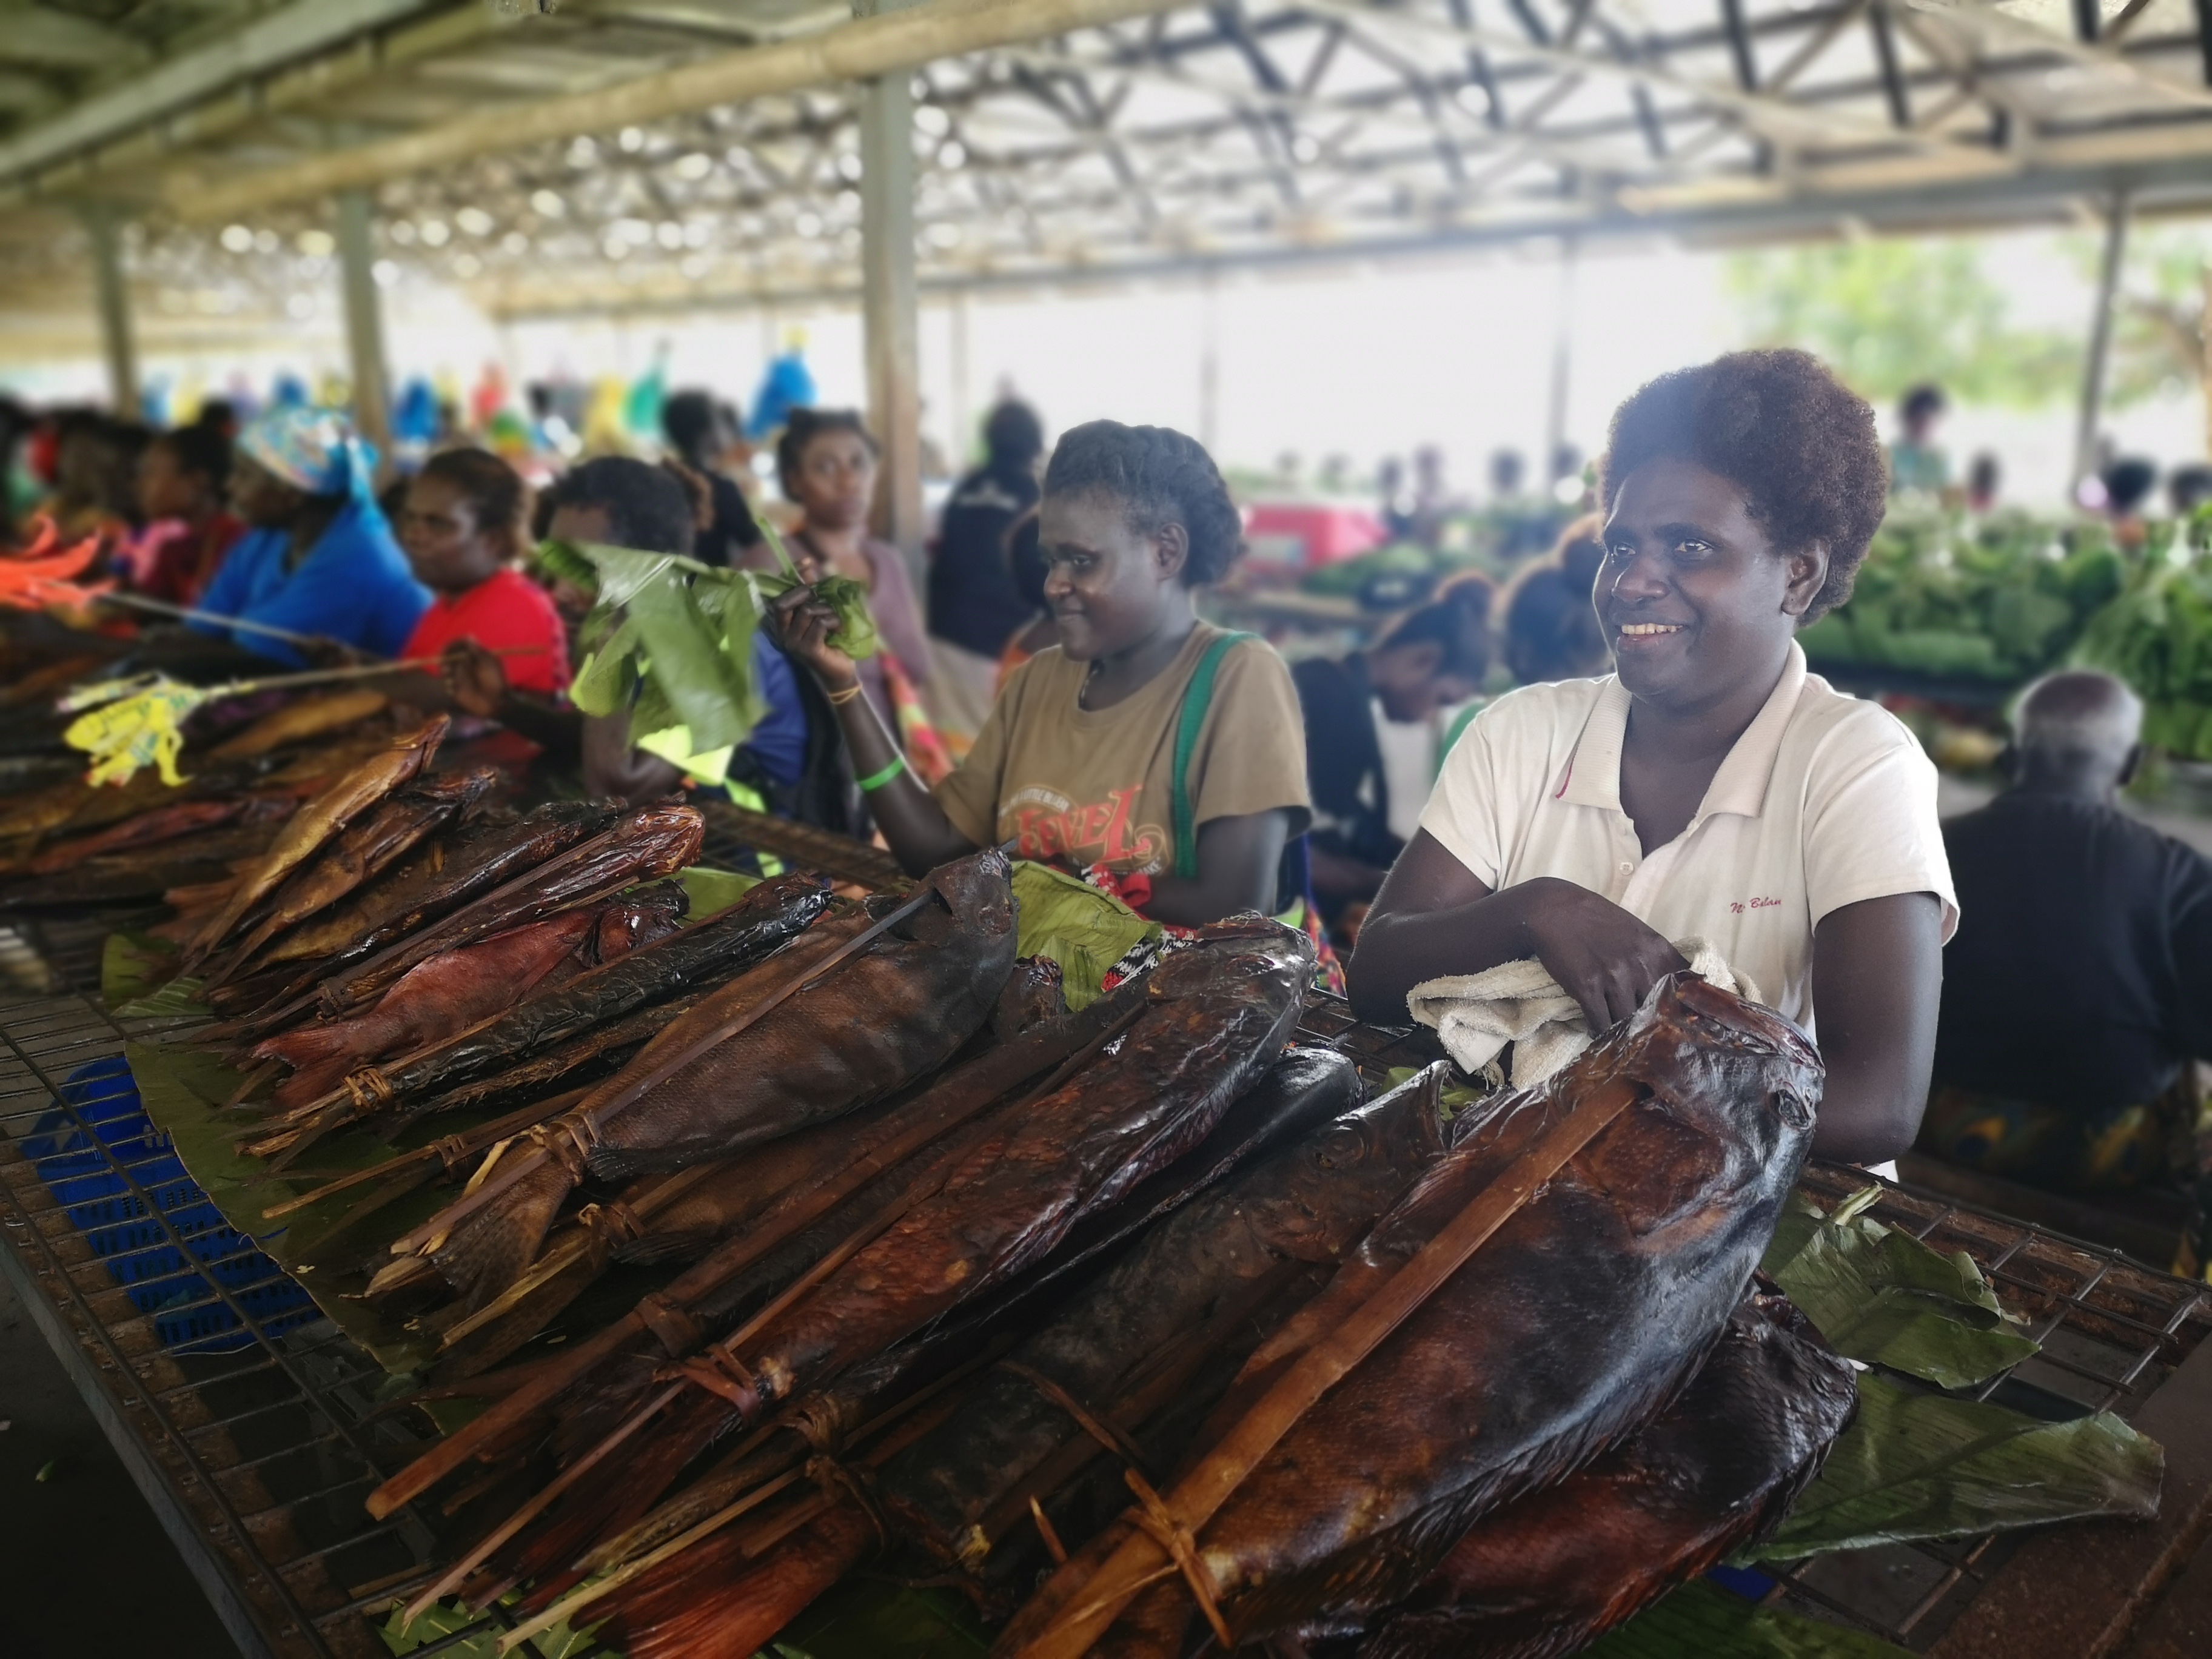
point(320, 558)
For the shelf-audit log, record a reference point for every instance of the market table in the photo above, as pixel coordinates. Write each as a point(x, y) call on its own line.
point(251, 1423)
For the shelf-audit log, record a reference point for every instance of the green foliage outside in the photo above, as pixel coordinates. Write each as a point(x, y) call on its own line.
point(1888, 314)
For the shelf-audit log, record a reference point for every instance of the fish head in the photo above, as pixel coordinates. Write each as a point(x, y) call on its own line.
point(1403, 1128)
point(978, 890)
point(679, 830)
point(1726, 1096)
point(1244, 948)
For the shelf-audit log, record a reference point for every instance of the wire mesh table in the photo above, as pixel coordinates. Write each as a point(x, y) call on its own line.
point(251, 1423)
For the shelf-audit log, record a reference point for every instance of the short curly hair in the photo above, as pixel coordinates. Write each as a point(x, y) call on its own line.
point(1161, 478)
point(1800, 444)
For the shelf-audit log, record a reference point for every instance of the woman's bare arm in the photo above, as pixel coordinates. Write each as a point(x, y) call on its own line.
point(1434, 917)
point(1237, 859)
point(1877, 988)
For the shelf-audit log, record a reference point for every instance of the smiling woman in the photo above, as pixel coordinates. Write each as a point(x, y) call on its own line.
point(1146, 742)
point(1711, 789)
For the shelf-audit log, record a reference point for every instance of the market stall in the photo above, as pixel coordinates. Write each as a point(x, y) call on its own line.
point(258, 1424)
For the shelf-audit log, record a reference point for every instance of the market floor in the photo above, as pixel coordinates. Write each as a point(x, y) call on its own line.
point(86, 1568)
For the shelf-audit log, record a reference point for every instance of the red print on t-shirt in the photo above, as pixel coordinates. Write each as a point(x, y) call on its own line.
point(1099, 833)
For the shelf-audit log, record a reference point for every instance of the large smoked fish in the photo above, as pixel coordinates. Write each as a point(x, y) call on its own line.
point(450, 992)
point(314, 825)
point(1717, 1471)
point(642, 846)
point(748, 933)
point(163, 825)
point(438, 880)
point(366, 847)
point(1577, 1319)
point(299, 720)
point(895, 1013)
point(1216, 1018)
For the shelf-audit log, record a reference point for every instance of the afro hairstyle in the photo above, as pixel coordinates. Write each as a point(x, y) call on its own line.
point(1775, 423)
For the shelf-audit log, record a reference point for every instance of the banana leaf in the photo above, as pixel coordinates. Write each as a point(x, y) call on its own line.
point(1921, 1466)
point(1701, 1621)
point(134, 965)
point(1084, 930)
point(1882, 1296)
point(446, 1617)
point(874, 1618)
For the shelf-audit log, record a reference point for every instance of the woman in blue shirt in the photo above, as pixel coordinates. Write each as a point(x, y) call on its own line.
point(319, 558)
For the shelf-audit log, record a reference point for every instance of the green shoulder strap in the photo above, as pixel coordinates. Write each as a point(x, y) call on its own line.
point(1197, 698)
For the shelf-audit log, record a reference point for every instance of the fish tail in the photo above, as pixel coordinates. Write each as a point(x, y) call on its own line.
point(491, 1249)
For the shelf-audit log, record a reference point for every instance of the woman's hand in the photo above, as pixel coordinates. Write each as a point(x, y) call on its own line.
point(802, 625)
point(475, 678)
point(1603, 957)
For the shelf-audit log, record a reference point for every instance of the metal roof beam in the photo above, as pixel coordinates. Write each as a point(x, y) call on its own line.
point(61, 40)
point(267, 43)
point(1977, 18)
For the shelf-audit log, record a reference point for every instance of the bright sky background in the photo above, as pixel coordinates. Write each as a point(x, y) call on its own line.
point(1363, 362)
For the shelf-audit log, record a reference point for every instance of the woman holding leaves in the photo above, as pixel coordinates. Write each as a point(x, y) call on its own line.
point(1147, 744)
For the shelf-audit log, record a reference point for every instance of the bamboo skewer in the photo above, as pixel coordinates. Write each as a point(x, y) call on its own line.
point(1142, 1560)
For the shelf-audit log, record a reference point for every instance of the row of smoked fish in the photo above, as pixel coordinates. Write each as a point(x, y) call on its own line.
point(951, 1279)
point(74, 843)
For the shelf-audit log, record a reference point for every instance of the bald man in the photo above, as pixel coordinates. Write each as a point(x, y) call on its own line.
point(2080, 985)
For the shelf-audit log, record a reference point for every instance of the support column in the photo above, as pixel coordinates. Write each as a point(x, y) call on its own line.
point(1563, 361)
point(2100, 338)
point(2204, 366)
point(113, 295)
point(1209, 363)
point(962, 411)
point(890, 324)
point(364, 316)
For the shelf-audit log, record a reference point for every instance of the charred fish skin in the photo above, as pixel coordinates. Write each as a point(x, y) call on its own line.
point(900, 1010)
point(1580, 1318)
point(1307, 1203)
point(1716, 1472)
point(1217, 1017)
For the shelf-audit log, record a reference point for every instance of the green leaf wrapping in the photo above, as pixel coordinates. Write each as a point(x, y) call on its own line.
point(1922, 1466)
point(1701, 1621)
point(1084, 930)
point(1884, 1297)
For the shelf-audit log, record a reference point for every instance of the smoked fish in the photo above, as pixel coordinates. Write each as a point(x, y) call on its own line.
point(895, 1013)
point(1714, 1472)
point(298, 721)
point(317, 821)
point(440, 879)
point(365, 849)
point(644, 845)
point(162, 824)
point(1577, 1321)
point(453, 991)
point(1217, 1015)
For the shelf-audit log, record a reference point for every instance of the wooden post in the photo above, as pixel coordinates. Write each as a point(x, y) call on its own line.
point(2205, 353)
point(1209, 362)
point(113, 294)
point(963, 410)
point(364, 315)
point(1563, 359)
point(2100, 340)
point(890, 323)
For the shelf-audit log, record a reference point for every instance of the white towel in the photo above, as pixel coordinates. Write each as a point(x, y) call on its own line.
point(1476, 1015)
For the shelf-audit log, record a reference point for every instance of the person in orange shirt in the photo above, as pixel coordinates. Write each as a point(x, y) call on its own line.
point(463, 531)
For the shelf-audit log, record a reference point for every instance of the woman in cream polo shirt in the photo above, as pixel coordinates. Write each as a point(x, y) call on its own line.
point(1711, 787)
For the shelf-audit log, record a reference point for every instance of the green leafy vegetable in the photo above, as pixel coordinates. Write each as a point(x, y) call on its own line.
point(669, 640)
point(1084, 930)
point(1917, 1466)
point(1703, 1621)
point(2157, 636)
point(1883, 1296)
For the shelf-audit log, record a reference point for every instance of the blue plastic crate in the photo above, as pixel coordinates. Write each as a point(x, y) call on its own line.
point(133, 1241)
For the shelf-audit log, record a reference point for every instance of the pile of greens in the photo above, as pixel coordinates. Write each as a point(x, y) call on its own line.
point(669, 640)
point(2001, 599)
point(2157, 635)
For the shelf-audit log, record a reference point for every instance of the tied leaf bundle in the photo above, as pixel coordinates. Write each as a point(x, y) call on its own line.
point(669, 640)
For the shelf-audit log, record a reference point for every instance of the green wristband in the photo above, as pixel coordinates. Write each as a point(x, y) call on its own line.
point(875, 780)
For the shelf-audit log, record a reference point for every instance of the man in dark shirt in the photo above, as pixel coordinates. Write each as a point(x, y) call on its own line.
point(2079, 987)
point(975, 606)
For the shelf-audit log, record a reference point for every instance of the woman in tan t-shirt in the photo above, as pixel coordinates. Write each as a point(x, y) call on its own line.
point(1077, 763)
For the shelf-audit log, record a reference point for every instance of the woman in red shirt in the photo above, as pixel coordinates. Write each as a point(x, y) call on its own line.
point(462, 528)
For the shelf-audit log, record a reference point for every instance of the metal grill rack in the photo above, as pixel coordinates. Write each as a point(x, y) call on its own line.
point(245, 1424)
point(734, 836)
